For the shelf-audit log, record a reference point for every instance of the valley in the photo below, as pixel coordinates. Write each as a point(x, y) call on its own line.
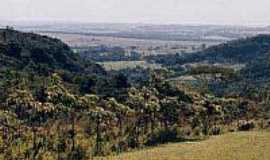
point(134, 80)
point(113, 101)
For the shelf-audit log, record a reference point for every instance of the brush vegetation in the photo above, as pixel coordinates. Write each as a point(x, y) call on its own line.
point(56, 105)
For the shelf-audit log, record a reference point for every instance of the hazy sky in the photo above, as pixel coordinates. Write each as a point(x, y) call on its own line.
point(240, 12)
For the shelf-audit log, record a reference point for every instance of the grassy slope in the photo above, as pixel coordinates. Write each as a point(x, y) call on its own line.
point(232, 146)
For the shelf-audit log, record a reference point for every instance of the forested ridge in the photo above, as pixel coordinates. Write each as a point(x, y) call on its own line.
point(237, 51)
point(247, 60)
point(55, 105)
point(34, 52)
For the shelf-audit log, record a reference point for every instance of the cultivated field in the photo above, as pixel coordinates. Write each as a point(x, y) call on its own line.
point(232, 146)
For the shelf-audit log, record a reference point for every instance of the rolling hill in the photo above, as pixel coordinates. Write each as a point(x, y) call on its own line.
point(55, 105)
point(28, 51)
point(236, 51)
point(249, 57)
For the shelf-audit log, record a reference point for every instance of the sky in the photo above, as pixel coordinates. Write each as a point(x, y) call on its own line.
point(224, 12)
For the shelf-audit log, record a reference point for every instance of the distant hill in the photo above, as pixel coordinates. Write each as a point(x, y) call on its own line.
point(36, 57)
point(237, 51)
point(31, 51)
point(253, 55)
point(254, 52)
point(259, 69)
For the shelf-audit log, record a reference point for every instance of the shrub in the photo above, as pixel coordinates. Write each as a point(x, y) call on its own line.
point(246, 125)
point(216, 130)
point(162, 136)
point(268, 123)
point(184, 133)
point(77, 154)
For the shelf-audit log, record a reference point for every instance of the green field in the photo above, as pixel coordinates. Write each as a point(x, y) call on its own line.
point(118, 65)
point(232, 146)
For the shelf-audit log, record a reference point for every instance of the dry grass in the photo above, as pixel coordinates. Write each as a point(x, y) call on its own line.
point(232, 146)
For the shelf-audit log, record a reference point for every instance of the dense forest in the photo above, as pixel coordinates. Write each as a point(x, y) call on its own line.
point(56, 105)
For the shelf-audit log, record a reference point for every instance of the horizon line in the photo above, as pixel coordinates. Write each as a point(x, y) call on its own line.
point(63, 21)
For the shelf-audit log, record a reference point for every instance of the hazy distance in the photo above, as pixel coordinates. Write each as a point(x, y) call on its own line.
point(229, 12)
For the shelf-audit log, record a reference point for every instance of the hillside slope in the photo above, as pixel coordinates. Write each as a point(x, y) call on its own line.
point(35, 52)
point(237, 51)
point(240, 146)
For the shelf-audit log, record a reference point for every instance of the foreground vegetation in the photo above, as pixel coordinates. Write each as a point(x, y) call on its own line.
point(56, 105)
point(233, 146)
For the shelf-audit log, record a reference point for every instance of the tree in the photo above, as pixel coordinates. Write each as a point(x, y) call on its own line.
point(170, 110)
point(146, 105)
point(121, 111)
point(101, 117)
